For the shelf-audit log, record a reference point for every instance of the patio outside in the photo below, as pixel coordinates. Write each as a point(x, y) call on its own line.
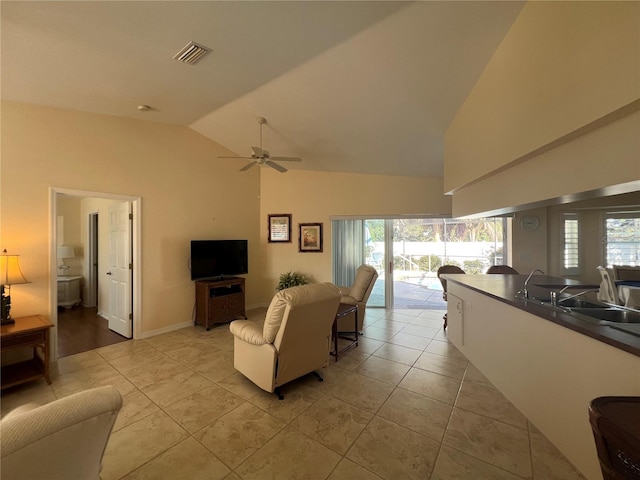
point(412, 291)
point(420, 247)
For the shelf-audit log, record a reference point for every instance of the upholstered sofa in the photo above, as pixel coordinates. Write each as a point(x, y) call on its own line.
point(293, 340)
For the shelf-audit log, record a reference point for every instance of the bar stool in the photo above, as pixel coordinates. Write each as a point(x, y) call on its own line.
point(446, 269)
point(615, 422)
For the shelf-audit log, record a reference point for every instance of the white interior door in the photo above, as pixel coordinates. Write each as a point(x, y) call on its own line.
point(120, 270)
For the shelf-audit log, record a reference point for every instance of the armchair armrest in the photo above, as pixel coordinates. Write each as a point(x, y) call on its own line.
point(348, 300)
point(248, 331)
point(20, 410)
point(344, 291)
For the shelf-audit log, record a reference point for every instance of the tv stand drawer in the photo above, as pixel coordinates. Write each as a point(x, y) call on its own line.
point(219, 301)
point(226, 307)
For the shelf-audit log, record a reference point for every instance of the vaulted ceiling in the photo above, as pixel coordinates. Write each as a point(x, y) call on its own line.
point(348, 86)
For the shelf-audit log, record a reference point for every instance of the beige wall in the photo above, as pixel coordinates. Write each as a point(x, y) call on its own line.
point(314, 197)
point(553, 112)
point(529, 248)
point(186, 193)
point(69, 232)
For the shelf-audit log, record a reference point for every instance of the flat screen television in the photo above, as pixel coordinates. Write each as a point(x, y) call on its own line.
point(218, 258)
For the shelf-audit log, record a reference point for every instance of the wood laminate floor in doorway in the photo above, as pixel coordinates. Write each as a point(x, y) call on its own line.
point(80, 329)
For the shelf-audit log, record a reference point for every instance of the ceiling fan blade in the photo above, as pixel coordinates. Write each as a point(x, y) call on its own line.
point(275, 166)
point(247, 166)
point(286, 159)
point(246, 158)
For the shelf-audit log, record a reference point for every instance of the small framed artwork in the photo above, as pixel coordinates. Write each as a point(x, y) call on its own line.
point(310, 239)
point(280, 228)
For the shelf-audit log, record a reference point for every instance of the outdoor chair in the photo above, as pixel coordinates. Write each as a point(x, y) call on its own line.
point(608, 291)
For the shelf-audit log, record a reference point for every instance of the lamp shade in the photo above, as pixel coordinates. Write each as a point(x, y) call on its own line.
point(10, 272)
point(65, 251)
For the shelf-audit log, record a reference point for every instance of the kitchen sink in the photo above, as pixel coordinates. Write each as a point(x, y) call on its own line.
point(600, 313)
point(606, 315)
point(569, 304)
point(579, 303)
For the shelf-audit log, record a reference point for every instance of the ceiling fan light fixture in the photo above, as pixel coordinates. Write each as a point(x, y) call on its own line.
point(261, 157)
point(191, 53)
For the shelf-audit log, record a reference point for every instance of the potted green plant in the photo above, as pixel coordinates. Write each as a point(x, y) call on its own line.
point(291, 279)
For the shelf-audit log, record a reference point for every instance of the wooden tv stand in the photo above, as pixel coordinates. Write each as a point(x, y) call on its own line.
point(219, 301)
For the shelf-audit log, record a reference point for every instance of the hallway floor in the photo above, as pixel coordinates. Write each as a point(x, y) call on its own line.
point(81, 329)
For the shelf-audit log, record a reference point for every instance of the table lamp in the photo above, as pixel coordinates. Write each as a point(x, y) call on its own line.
point(10, 274)
point(64, 251)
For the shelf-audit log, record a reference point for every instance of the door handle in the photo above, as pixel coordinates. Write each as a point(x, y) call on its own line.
point(109, 273)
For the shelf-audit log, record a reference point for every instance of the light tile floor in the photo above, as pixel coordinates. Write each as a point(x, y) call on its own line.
point(404, 404)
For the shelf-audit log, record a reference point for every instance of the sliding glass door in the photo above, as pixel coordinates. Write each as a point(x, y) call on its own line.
point(407, 253)
point(375, 251)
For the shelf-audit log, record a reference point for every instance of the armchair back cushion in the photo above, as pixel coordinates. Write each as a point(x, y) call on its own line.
point(294, 339)
point(64, 439)
point(358, 294)
point(366, 277)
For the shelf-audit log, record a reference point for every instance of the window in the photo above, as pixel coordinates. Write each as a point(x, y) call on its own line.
point(622, 238)
point(571, 251)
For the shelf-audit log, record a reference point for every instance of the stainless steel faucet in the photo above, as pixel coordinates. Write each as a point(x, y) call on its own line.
point(525, 292)
point(554, 295)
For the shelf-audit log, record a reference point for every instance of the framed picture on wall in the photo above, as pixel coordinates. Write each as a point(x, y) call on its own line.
point(310, 238)
point(280, 228)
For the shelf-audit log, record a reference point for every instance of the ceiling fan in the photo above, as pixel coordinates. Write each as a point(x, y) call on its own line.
point(262, 157)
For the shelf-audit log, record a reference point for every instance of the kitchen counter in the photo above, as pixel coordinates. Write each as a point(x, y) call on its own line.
point(505, 287)
point(547, 363)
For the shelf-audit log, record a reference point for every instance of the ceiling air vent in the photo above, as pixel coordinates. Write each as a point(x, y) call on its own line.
point(191, 53)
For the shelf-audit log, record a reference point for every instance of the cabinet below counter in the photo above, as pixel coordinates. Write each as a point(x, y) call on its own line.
point(504, 288)
point(543, 361)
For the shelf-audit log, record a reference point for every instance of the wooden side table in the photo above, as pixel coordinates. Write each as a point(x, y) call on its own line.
point(28, 332)
point(344, 309)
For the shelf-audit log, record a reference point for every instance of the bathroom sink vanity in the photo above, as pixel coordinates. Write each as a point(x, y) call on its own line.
point(69, 290)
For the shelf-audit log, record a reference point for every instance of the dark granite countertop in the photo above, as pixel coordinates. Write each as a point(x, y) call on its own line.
point(504, 288)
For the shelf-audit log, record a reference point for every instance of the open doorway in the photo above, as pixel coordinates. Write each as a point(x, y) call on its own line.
point(82, 224)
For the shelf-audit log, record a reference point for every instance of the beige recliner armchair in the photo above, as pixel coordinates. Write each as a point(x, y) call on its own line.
point(293, 340)
point(64, 439)
point(357, 294)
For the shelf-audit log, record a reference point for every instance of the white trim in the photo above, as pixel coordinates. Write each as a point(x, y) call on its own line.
point(171, 328)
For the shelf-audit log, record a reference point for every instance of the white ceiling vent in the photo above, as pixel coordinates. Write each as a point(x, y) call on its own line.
point(191, 53)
